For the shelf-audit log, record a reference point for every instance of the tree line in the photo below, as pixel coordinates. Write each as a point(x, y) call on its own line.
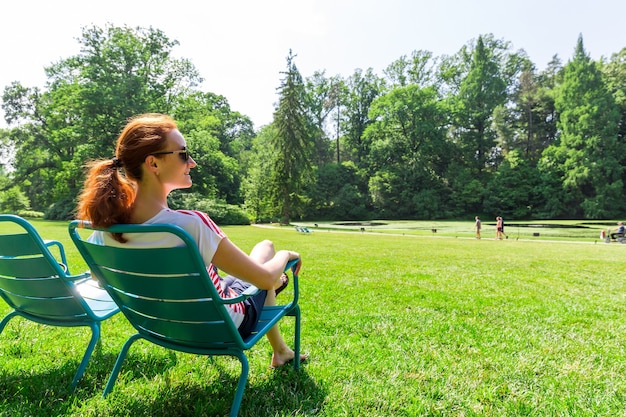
point(480, 132)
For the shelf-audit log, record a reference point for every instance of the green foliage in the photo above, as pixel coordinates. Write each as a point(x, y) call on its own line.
point(435, 137)
point(589, 153)
point(336, 194)
point(30, 214)
point(220, 140)
point(256, 184)
point(292, 144)
point(615, 73)
point(64, 209)
point(531, 121)
point(14, 200)
point(219, 211)
point(481, 89)
point(120, 72)
point(322, 96)
point(362, 89)
point(215, 175)
point(466, 192)
point(408, 148)
point(418, 69)
point(511, 191)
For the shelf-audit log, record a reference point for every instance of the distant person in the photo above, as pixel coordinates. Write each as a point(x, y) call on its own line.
point(619, 232)
point(478, 225)
point(499, 228)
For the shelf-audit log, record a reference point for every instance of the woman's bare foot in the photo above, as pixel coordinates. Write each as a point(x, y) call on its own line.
point(284, 281)
point(282, 358)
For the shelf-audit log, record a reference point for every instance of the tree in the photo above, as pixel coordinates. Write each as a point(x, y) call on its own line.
point(336, 193)
point(511, 191)
point(533, 116)
point(292, 144)
point(589, 153)
point(13, 200)
point(408, 153)
point(419, 70)
point(481, 90)
point(257, 181)
point(322, 97)
point(477, 84)
point(123, 72)
point(120, 72)
point(615, 74)
point(362, 89)
point(218, 138)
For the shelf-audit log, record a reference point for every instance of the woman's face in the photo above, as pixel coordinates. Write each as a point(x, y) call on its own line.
point(173, 169)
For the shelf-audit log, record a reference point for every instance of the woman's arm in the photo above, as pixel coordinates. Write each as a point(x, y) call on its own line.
point(232, 260)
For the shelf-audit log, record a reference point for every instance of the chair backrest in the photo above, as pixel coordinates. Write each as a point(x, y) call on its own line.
point(32, 281)
point(165, 293)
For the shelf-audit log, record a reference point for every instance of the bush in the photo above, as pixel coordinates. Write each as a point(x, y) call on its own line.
point(63, 209)
point(30, 214)
point(221, 212)
point(14, 200)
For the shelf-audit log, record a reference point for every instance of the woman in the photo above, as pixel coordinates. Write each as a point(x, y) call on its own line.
point(499, 228)
point(154, 157)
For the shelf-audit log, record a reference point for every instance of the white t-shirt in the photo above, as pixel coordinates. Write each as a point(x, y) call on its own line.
point(201, 228)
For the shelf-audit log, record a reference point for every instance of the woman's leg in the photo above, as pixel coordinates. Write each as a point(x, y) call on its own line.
point(263, 252)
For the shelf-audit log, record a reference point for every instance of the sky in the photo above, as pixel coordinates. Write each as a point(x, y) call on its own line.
point(240, 47)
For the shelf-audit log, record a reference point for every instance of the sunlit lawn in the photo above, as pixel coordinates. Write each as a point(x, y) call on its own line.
point(432, 324)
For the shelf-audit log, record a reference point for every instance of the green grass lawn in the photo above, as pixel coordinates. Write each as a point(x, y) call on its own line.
point(396, 324)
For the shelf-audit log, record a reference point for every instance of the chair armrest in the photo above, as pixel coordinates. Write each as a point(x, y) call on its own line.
point(59, 245)
point(249, 292)
point(80, 278)
point(294, 265)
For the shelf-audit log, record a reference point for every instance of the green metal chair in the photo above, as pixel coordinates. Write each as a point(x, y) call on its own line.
point(169, 298)
point(40, 288)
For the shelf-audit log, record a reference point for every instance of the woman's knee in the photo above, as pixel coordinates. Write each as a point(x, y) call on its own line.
point(266, 245)
point(263, 250)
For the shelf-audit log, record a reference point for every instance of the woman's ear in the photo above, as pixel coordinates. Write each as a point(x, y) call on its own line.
point(151, 164)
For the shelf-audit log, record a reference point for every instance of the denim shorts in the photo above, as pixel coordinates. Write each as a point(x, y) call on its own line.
point(253, 305)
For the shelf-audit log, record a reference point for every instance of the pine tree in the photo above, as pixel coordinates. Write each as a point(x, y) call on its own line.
point(292, 144)
point(589, 150)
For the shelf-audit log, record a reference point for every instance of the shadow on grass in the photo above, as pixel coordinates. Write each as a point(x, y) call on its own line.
point(282, 392)
point(268, 392)
point(48, 392)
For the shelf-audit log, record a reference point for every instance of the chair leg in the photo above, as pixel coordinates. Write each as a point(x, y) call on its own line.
point(243, 378)
point(296, 343)
point(118, 364)
point(95, 336)
point(6, 319)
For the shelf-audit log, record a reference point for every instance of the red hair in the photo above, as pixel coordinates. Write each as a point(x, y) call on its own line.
point(108, 194)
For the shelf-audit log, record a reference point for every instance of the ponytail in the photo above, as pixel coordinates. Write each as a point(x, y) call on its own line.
point(107, 196)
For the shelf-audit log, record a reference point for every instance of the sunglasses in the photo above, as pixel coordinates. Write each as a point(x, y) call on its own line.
point(183, 153)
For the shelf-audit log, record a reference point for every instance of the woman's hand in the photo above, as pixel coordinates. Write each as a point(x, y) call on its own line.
point(293, 255)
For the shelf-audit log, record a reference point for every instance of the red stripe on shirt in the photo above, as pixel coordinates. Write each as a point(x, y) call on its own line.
point(217, 282)
point(205, 219)
point(215, 278)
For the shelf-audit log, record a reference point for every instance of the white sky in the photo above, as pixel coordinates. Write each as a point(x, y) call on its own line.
point(239, 46)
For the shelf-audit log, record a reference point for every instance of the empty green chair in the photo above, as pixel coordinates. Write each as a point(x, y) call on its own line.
point(169, 298)
point(39, 288)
